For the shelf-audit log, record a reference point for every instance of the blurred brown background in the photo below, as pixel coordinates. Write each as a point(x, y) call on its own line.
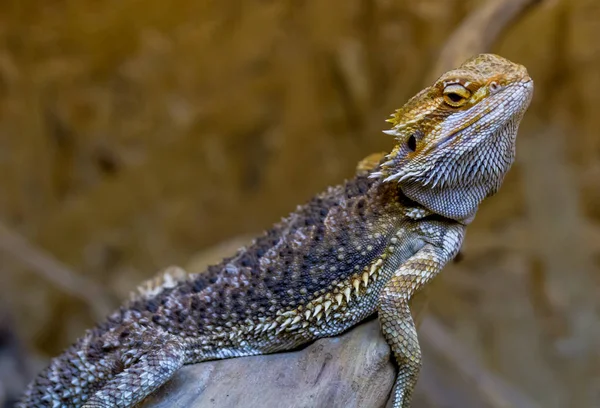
point(134, 134)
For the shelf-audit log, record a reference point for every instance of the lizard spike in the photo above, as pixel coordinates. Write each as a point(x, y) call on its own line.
point(304, 325)
point(356, 284)
point(317, 309)
point(287, 322)
point(319, 316)
point(339, 298)
point(365, 278)
point(327, 305)
point(373, 269)
point(393, 177)
point(289, 313)
point(307, 315)
point(347, 293)
point(376, 174)
point(296, 319)
point(391, 132)
point(273, 325)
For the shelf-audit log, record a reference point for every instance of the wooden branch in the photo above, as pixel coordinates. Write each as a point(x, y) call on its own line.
point(352, 370)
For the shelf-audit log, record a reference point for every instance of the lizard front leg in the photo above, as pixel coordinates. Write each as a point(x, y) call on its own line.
point(394, 314)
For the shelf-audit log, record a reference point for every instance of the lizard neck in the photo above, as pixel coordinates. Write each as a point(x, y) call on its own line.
point(463, 185)
point(453, 203)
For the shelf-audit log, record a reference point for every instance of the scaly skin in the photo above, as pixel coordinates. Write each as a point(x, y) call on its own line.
point(364, 246)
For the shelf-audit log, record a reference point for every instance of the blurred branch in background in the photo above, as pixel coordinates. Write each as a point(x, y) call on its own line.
point(495, 391)
point(478, 33)
point(562, 246)
point(47, 267)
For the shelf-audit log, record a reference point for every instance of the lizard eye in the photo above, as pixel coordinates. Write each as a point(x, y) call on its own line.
point(456, 95)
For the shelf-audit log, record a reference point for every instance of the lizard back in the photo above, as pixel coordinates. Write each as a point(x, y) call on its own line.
point(310, 258)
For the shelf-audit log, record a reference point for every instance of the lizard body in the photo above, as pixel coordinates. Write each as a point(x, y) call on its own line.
point(362, 247)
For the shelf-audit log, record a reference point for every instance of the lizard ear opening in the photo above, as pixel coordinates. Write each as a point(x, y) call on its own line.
point(412, 143)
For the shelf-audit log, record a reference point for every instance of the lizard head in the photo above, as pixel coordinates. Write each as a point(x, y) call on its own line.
point(456, 138)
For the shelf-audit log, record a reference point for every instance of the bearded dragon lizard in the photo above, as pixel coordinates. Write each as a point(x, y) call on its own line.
point(365, 246)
